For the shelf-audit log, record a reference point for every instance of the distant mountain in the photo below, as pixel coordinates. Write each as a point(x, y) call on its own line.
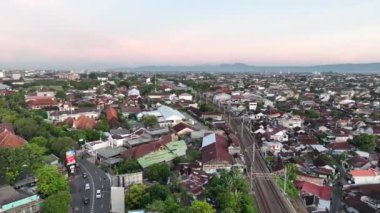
point(239, 67)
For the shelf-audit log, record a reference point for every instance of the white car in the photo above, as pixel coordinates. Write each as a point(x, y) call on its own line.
point(98, 194)
point(87, 186)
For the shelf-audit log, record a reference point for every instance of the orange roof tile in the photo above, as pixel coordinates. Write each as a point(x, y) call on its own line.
point(9, 140)
point(363, 173)
point(111, 114)
point(84, 122)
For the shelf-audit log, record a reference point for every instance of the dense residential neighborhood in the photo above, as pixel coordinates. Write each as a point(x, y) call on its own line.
point(179, 142)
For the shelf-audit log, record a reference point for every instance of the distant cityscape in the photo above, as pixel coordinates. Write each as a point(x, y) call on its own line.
point(166, 106)
point(189, 141)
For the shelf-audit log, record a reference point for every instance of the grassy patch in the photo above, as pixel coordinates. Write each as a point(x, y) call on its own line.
point(291, 190)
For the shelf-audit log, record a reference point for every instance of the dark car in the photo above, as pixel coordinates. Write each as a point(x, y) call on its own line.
point(84, 175)
point(86, 200)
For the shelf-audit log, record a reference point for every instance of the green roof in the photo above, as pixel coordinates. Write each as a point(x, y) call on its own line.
point(177, 147)
point(169, 152)
point(20, 202)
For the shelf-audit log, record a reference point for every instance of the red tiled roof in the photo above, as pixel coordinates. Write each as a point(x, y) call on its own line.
point(84, 122)
point(6, 126)
point(145, 149)
point(376, 130)
point(363, 173)
point(181, 126)
point(216, 152)
point(131, 109)
point(9, 140)
point(307, 139)
point(323, 192)
point(277, 130)
point(42, 101)
point(69, 121)
point(234, 140)
point(111, 113)
point(341, 146)
point(7, 92)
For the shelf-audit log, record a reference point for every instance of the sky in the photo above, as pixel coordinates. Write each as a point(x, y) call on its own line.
point(80, 34)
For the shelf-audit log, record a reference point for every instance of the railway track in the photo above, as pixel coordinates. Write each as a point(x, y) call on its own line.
point(268, 196)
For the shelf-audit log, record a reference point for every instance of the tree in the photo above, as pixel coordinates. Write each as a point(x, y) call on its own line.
point(201, 207)
point(205, 107)
point(132, 116)
point(57, 203)
point(26, 127)
point(135, 196)
point(13, 162)
point(149, 120)
point(231, 191)
point(60, 94)
point(291, 172)
point(103, 124)
point(364, 142)
point(124, 83)
point(16, 100)
point(312, 114)
point(40, 113)
point(169, 205)
point(158, 192)
point(156, 206)
point(376, 115)
point(159, 172)
point(146, 89)
point(34, 154)
point(128, 166)
point(92, 75)
point(59, 146)
point(51, 181)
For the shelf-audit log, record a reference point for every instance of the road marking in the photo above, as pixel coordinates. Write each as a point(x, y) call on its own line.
point(101, 206)
point(93, 189)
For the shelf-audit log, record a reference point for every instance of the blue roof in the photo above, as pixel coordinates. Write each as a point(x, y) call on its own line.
point(209, 139)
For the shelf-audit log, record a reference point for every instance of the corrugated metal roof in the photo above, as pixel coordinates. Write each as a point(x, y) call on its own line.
point(167, 112)
point(117, 200)
point(209, 139)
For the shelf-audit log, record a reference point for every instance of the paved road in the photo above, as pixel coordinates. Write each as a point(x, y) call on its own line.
point(338, 189)
point(97, 180)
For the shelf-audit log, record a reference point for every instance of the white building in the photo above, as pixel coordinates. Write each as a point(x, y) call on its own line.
point(133, 92)
point(16, 76)
point(291, 121)
point(278, 134)
point(252, 106)
point(45, 93)
point(221, 97)
point(92, 146)
point(185, 96)
point(117, 200)
point(167, 116)
point(369, 176)
point(274, 147)
point(63, 115)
